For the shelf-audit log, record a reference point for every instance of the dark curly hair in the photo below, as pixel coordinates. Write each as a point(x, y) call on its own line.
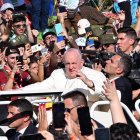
point(121, 131)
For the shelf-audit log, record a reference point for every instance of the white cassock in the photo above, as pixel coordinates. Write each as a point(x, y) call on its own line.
point(59, 80)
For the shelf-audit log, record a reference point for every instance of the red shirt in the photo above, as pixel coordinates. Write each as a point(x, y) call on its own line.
point(3, 79)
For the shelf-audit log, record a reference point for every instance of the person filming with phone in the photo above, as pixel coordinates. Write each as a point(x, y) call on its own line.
point(12, 77)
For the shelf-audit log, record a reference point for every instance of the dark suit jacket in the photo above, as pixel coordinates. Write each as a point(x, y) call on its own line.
point(31, 129)
point(124, 86)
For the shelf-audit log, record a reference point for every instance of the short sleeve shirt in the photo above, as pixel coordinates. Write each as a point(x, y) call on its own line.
point(3, 79)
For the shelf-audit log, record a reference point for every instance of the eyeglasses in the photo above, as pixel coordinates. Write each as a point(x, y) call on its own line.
point(48, 38)
point(19, 25)
point(69, 109)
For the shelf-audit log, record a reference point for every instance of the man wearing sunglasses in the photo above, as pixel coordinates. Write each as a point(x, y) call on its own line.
point(72, 101)
point(109, 42)
point(21, 26)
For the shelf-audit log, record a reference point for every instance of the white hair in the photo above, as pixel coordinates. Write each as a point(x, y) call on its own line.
point(71, 50)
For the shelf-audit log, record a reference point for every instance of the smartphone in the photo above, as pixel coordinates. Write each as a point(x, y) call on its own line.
point(62, 9)
point(36, 48)
point(89, 42)
point(58, 29)
point(19, 59)
point(44, 51)
point(58, 110)
point(102, 134)
point(84, 120)
point(32, 137)
point(28, 46)
point(60, 38)
point(89, 31)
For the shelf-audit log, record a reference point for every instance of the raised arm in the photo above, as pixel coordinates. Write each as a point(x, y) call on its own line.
point(115, 106)
point(137, 26)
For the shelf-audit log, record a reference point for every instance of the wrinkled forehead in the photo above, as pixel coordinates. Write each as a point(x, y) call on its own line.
point(72, 55)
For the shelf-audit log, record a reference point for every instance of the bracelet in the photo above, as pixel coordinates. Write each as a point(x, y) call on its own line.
point(12, 78)
point(40, 64)
point(25, 59)
point(74, 137)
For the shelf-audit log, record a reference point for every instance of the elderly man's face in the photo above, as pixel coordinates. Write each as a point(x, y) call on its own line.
point(72, 62)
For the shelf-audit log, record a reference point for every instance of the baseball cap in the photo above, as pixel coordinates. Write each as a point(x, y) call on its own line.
point(10, 49)
point(18, 40)
point(48, 31)
point(6, 6)
point(18, 15)
point(81, 41)
point(108, 39)
point(82, 24)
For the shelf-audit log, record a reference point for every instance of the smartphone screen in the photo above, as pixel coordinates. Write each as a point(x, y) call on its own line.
point(84, 120)
point(32, 137)
point(88, 31)
point(44, 51)
point(58, 110)
point(102, 134)
point(58, 29)
point(19, 59)
point(89, 42)
point(60, 38)
point(62, 9)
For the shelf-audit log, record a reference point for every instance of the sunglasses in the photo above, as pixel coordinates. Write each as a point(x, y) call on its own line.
point(69, 109)
point(19, 25)
point(62, 51)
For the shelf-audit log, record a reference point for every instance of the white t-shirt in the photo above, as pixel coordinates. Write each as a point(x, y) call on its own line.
point(15, 3)
point(70, 4)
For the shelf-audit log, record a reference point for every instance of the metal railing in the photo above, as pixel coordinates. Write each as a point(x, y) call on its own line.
point(123, 106)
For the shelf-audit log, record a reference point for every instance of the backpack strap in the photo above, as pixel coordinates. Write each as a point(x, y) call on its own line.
point(6, 74)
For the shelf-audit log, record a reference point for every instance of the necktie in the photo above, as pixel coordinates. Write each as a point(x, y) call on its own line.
point(17, 135)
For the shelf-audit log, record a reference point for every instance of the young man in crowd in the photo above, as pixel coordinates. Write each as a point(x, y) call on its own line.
point(126, 40)
point(20, 26)
point(11, 76)
point(108, 42)
point(7, 10)
point(20, 112)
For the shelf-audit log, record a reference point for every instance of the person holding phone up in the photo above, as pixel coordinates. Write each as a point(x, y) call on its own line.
point(12, 77)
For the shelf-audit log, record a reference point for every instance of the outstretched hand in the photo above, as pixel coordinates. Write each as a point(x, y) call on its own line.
point(42, 119)
point(110, 90)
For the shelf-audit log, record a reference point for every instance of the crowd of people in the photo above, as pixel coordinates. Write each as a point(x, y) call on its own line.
point(93, 63)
